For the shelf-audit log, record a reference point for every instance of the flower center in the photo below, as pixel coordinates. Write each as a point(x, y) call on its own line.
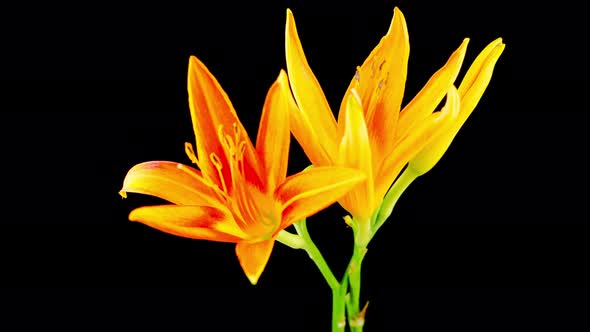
point(255, 212)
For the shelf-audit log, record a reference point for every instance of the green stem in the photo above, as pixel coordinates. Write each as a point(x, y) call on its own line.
point(290, 240)
point(338, 290)
point(315, 255)
point(338, 308)
point(392, 196)
point(364, 231)
point(356, 316)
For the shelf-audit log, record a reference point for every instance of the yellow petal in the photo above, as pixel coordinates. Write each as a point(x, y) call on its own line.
point(312, 190)
point(174, 182)
point(309, 140)
point(272, 142)
point(211, 110)
point(380, 82)
point(355, 152)
point(306, 89)
point(195, 222)
point(474, 84)
point(432, 93)
point(477, 78)
point(435, 124)
point(253, 257)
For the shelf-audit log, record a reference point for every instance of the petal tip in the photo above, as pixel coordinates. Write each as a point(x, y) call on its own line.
point(398, 13)
point(290, 18)
point(123, 193)
point(282, 78)
point(192, 60)
point(133, 215)
point(253, 279)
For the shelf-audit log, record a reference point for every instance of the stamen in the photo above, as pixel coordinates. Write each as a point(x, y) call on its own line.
point(221, 136)
point(215, 161)
point(228, 145)
point(381, 65)
point(236, 132)
point(190, 152)
point(241, 206)
point(240, 157)
point(221, 195)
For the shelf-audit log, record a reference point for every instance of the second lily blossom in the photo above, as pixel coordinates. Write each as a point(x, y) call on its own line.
point(373, 132)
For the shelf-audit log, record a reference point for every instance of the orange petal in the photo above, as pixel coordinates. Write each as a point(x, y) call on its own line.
point(435, 124)
point(171, 181)
point(195, 222)
point(253, 257)
point(432, 93)
point(306, 89)
point(355, 152)
point(211, 110)
point(272, 142)
point(380, 82)
point(312, 190)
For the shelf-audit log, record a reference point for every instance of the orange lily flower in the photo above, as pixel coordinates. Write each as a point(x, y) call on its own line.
point(241, 193)
point(373, 133)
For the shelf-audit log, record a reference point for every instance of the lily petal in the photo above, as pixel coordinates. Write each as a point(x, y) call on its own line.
point(355, 152)
point(174, 182)
point(312, 190)
point(253, 257)
point(306, 89)
point(474, 84)
point(309, 139)
point(212, 111)
point(477, 78)
point(195, 222)
point(272, 142)
point(426, 101)
point(380, 82)
point(424, 133)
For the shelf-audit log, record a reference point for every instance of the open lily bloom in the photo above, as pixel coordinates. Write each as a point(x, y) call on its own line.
point(241, 193)
point(373, 133)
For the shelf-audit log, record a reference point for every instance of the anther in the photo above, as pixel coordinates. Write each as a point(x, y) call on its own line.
point(190, 152)
point(221, 135)
point(236, 129)
point(219, 166)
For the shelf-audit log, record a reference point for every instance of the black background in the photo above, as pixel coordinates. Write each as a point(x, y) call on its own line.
point(495, 237)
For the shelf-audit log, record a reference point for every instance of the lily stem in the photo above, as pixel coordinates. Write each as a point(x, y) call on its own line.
point(338, 290)
point(392, 196)
point(356, 316)
point(315, 255)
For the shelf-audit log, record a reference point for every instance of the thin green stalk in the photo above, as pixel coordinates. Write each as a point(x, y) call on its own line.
point(363, 234)
point(356, 316)
point(338, 291)
point(315, 255)
point(338, 308)
point(392, 196)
